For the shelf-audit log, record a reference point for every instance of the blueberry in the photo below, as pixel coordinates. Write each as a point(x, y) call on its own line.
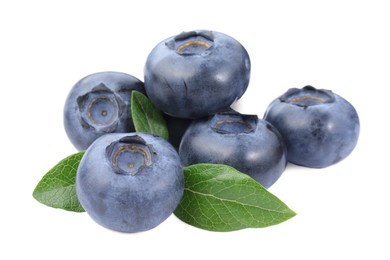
point(99, 104)
point(319, 127)
point(130, 182)
point(251, 145)
point(196, 73)
point(176, 129)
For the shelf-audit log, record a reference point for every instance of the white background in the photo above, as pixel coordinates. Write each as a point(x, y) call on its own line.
point(46, 46)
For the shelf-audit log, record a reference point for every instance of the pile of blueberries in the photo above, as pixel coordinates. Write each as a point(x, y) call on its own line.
point(130, 181)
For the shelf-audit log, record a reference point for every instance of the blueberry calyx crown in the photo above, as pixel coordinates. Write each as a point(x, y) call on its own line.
point(233, 123)
point(307, 96)
point(192, 43)
point(100, 109)
point(129, 155)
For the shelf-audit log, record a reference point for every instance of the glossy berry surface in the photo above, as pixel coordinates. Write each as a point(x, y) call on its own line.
point(320, 128)
point(99, 104)
point(130, 182)
point(251, 145)
point(196, 73)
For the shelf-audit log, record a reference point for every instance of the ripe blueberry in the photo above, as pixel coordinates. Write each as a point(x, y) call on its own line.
point(130, 182)
point(251, 145)
point(99, 104)
point(176, 129)
point(196, 73)
point(320, 128)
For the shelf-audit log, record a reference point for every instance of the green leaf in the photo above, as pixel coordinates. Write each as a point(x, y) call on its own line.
point(220, 198)
point(146, 117)
point(57, 187)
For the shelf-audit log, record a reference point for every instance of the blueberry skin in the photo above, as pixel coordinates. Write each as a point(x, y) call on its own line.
point(176, 129)
point(98, 104)
point(197, 73)
point(130, 182)
point(251, 145)
point(320, 128)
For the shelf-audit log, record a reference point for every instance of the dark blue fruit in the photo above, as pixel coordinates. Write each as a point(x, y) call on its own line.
point(251, 145)
point(196, 73)
point(130, 182)
point(99, 104)
point(319, 127)
point(176, 129)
